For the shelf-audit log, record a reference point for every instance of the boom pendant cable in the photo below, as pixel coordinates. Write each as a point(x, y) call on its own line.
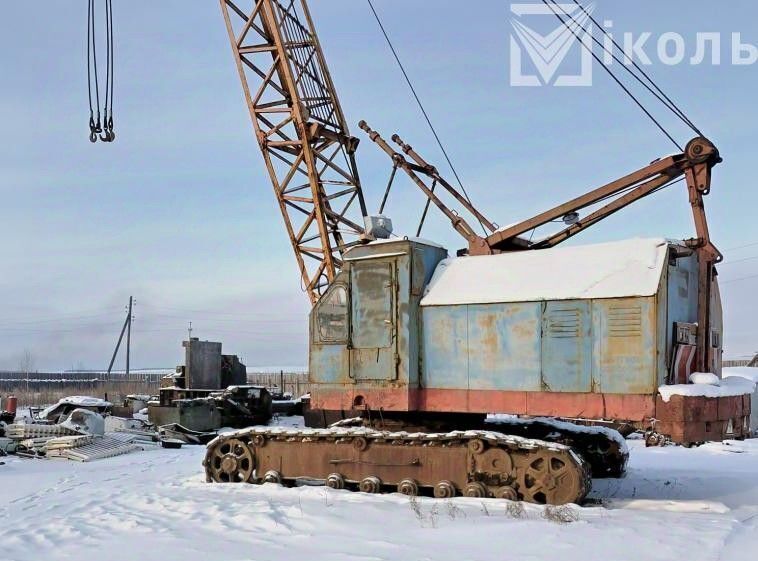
point(423, 110)
point(668, 102)
point(100, 123)
point(552, 5)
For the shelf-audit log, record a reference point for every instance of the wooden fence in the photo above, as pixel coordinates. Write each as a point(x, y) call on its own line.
point(294, 382)
point(45, 388)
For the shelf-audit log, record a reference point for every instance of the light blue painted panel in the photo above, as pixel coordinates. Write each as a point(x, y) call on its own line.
point(624, 352)
point(567, 346)
point(412, 283)
point(662, 332)
point(504, 346)
point(328, 364)
point(445, 347)
point(371, 304)
point(372, 356)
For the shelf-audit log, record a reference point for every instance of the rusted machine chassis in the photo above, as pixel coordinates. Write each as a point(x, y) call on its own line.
point(603, 450)
point(472, 463)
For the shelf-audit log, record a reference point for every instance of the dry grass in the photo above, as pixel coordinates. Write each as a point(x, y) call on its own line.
point(515, 509)
point(563, 514)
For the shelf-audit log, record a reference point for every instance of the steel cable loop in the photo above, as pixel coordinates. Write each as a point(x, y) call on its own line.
point(423, 110)
point(550, 4)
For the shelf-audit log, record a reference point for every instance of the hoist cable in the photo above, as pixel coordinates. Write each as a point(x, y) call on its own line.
point(89, 59)
point(108, 114)
point(423, 110)
point(101, 126)
point(658, 92)
point(95, 126)
point(611, 74)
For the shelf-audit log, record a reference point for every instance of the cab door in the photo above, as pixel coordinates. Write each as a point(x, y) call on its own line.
point(373, 320)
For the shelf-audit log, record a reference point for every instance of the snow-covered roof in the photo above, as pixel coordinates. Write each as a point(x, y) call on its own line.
point(406, 238)
point(607, 270)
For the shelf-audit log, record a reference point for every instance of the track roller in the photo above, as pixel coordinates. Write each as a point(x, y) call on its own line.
point(272, 476)
point(475, 489)
point(444, 490)
point(370, 484)
point(335, 481)
point(506, 492)
point(408, 487)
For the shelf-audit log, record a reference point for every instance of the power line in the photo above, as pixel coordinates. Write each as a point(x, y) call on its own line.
point(739, 279)
point(208, 312)
point(753, 244)
point(739, 260)
point(70, 329)
point(58, 319)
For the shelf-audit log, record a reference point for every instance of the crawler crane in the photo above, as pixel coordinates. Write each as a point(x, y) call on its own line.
point(407, 357)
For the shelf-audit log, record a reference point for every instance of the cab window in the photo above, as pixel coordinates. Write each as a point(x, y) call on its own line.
point(332, 315)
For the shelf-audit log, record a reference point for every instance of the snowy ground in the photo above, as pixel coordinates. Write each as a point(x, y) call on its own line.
point(675, 503)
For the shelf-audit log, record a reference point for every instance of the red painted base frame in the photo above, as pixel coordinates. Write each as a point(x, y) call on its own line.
point(685, 419)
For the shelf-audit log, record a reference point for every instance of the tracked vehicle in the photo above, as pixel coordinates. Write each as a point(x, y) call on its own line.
point(410, 349)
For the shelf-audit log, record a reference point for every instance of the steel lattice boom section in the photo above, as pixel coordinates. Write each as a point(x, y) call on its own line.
point(302, 133)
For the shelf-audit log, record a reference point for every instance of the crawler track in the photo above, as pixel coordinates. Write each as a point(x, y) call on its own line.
point(603, 448)
point(475, 463)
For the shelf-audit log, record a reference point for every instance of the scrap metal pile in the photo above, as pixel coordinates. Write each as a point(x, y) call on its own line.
point(81, 435)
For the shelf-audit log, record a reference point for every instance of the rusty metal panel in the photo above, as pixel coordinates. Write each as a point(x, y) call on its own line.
point(444, 354)
point(328, 364)
point(413, 276)
point(624, 346)
point(664, 352)
point(372, 301)
point(373, 321)
point(504, 346)
point(681, 295)
point(567, 346)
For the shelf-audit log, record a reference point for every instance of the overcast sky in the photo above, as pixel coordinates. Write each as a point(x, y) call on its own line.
point(179, 211)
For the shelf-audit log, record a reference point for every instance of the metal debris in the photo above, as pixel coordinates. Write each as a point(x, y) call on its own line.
point(94, 448)
point(22, 431)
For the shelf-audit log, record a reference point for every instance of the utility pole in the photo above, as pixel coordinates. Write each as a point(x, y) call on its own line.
point(127, 328)
point(128, 335)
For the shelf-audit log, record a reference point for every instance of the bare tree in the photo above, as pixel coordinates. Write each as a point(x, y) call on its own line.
point(27, 362)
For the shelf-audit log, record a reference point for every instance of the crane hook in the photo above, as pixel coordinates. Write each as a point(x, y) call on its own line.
point(93, 129)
